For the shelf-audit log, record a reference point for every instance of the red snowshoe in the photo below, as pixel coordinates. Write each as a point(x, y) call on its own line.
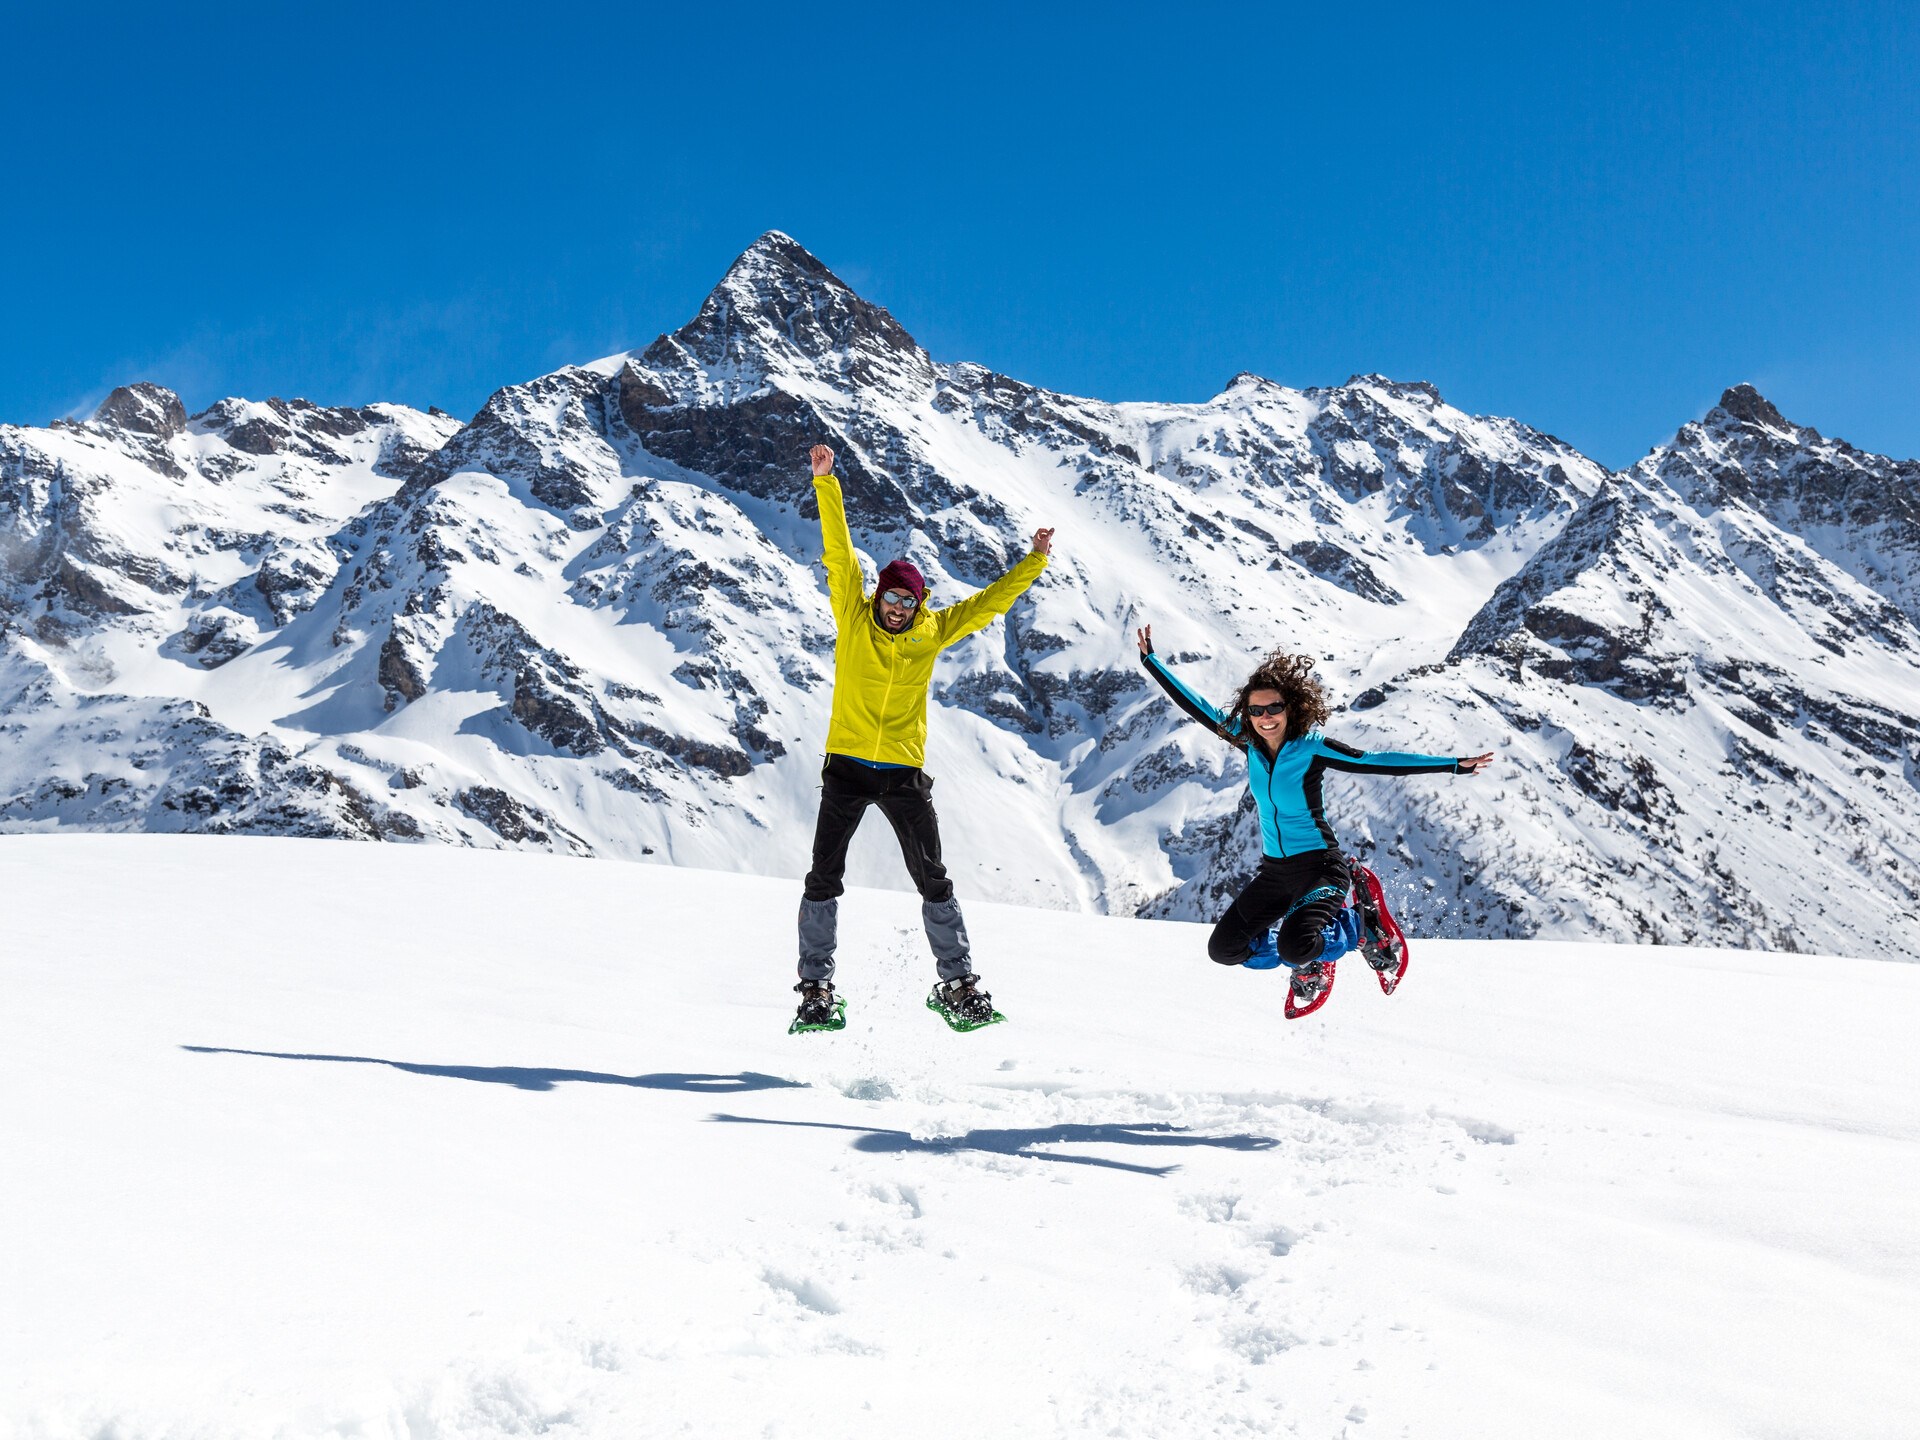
point(1382, 942)
point(1312, 983)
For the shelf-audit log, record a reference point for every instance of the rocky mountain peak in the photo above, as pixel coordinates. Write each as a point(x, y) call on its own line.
point(1743, 402)
point(1247, 380)
point(779, 299)
point(143, 409)
point(1394, 387)
point(776, 254)
point(1858, 511)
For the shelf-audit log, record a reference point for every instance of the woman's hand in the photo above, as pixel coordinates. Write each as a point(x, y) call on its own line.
point(1474, 764)
point(1145, 636)
point(822, 458)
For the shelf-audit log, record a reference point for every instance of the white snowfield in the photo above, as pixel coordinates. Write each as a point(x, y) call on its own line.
point(316, 1140)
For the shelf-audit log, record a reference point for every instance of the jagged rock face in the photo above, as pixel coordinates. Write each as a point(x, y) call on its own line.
point(751, 441)
point(1337, 565)
point(1373, 435)
point(1689, 753)
point(140, 511)
point(1583, 610)
point(401, 439)
point(1858, 511)
point(143, 409)
point(113, 762)
point(592, 621)
point(779, 311)
point(547, 435)
point(145, 534)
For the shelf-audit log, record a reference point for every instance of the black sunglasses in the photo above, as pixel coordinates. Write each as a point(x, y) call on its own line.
point(1279, 707)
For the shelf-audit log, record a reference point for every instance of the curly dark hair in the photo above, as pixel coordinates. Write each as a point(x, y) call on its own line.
point(1292, 676)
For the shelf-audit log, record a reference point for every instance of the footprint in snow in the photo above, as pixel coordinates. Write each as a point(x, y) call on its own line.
point(809, 1293)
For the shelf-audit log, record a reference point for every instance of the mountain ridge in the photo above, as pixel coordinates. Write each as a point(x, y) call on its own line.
point(590, 619)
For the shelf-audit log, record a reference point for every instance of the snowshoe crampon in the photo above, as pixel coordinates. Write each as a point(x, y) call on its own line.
point(820, 1009)
point(962, 1004)
point(1312, 983)
point(1383, 944)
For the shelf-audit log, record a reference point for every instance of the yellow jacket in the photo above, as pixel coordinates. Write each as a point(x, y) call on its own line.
point(880, 679)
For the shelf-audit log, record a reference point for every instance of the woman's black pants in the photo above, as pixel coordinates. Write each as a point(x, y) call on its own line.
point(1275, 886)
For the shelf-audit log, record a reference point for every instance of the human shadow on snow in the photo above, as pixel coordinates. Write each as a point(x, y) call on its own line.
point(525, 1078)
point(1022, 1142)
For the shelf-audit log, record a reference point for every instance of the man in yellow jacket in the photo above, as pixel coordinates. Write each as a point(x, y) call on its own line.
point(883, 654)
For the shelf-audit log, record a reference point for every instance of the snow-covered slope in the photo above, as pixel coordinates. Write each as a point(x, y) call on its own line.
point(1707, 714)
point(590, 622)
point(1859, 511)
point(143, 551)
point(504, 1147)
point(1706, 733)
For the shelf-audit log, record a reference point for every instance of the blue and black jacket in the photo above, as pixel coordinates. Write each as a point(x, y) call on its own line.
point(1286, 787)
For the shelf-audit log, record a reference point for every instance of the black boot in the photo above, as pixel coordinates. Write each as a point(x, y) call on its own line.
point(1308, 981)
point(962, 1003)
point(1381, 947)
point(819, 1008)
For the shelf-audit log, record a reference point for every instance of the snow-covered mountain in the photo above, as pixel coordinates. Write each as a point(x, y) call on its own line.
point(144, 551)
point(590, 621)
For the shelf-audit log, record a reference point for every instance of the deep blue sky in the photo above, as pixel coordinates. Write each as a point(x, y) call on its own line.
point(1592, 219)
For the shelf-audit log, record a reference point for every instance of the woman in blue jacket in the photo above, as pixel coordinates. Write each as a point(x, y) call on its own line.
point(1301, 885)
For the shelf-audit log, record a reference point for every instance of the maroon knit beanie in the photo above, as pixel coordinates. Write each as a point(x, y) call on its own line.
point(901, 575)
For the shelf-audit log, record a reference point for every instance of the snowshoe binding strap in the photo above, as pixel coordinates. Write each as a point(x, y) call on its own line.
point(1312, 983)
point(1384, 945)
point(963, 1004)
point(820, 1008)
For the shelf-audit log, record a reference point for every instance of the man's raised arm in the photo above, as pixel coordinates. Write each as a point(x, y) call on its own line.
point(843, 570)
point(983, 607)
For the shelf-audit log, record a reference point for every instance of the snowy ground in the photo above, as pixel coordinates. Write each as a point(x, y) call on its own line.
point(305, 1139)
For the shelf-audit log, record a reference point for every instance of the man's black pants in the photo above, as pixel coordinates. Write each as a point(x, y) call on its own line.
point(1275, 886)
point(905, 797)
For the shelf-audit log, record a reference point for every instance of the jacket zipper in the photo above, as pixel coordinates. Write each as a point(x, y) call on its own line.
point(1279, 838)
point(880, 720)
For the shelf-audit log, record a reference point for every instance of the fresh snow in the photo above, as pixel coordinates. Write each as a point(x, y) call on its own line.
point(319, 1140)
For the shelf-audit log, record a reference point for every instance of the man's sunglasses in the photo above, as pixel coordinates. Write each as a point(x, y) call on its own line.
point(900, 599)
point(1259, 711)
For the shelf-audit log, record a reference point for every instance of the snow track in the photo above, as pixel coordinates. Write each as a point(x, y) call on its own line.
point(325, 1140)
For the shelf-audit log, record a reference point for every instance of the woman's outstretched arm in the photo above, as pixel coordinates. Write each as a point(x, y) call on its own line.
point(1337, 756)
point(1195, 707)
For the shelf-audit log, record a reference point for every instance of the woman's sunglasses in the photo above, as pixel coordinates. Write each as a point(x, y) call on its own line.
point(1259, 711)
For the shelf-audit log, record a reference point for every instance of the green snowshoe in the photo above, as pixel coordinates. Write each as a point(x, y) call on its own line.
point(962, 1004)
point(820, 1008)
